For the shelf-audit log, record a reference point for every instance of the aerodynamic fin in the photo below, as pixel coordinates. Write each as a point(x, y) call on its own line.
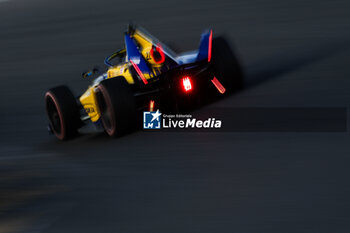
point(205, 46)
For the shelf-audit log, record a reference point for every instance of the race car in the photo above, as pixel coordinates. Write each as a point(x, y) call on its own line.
point(144, 75)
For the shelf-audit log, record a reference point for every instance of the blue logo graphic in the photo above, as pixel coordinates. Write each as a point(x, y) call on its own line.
point(151, 120)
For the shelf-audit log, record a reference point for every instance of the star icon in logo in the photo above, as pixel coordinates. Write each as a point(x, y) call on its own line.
point(156, 115)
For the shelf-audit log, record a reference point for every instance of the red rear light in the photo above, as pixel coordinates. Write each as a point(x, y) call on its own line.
point(218, 85)
point(187, 84)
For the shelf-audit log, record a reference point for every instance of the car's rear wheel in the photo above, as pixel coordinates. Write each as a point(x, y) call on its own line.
point(227, 68)
point(117, 106)
point(63, 112)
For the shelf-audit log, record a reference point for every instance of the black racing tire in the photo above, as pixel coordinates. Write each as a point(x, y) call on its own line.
point(117, 106)
point(227, 68)
point(63, 112)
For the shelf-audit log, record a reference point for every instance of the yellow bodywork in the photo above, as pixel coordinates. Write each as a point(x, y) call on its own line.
point(88, 99)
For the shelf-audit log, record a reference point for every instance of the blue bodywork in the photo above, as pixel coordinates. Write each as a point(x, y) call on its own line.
point(197, 55)
point(134, 55)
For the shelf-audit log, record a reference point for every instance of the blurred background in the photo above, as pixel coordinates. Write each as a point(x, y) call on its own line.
point(295, 54)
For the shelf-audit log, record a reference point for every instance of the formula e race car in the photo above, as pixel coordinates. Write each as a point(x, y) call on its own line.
point(145, 75)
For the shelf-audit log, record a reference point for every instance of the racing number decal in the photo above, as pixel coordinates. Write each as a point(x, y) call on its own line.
point(89, 110)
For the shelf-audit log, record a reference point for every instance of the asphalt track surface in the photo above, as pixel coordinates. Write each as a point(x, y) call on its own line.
point(296, 54)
